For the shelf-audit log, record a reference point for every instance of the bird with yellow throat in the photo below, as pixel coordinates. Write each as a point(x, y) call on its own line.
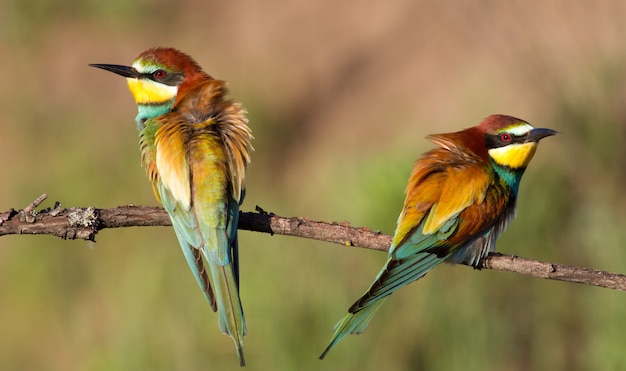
point(459, 199)
point(195, 147)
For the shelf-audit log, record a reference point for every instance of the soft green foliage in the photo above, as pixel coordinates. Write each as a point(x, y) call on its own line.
point(339, 105)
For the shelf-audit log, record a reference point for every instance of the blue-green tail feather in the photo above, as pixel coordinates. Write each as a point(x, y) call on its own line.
point(406, 263)
point(352, 323)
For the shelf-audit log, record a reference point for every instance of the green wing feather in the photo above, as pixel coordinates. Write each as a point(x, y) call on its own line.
point(184, 223)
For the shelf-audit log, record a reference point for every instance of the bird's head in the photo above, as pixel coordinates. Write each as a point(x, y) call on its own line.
point(158, 78)
point(511, 142)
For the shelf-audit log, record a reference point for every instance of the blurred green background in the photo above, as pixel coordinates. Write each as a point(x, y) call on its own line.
point(340, 96)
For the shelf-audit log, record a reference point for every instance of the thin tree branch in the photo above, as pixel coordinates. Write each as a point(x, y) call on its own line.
point(84, 223)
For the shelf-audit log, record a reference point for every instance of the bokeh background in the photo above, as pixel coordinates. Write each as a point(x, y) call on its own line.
point(340, 96)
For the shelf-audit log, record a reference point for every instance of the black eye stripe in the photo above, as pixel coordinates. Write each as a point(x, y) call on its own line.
point(497, 140)
point(170, 78)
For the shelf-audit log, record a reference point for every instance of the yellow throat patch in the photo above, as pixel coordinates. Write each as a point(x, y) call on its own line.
point(149, 92)
point(514, 156)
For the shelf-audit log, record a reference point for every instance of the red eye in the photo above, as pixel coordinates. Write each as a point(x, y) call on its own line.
point(505, 137)
point(159, 74)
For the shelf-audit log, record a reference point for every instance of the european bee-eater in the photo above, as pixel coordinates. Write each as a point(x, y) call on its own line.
point(195, 146)
point(459, 199)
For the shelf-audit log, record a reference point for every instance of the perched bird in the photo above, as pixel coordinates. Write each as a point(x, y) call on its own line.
point(195, 146)
point(459, 199)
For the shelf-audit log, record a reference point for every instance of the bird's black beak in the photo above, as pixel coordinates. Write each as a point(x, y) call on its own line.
point(536, 135)
point(125, 71)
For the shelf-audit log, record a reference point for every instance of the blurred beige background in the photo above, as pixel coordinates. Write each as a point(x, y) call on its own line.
point(340, 96)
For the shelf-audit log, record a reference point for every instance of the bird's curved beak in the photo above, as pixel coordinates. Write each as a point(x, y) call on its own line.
point(125, 71)
point(537, 134)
